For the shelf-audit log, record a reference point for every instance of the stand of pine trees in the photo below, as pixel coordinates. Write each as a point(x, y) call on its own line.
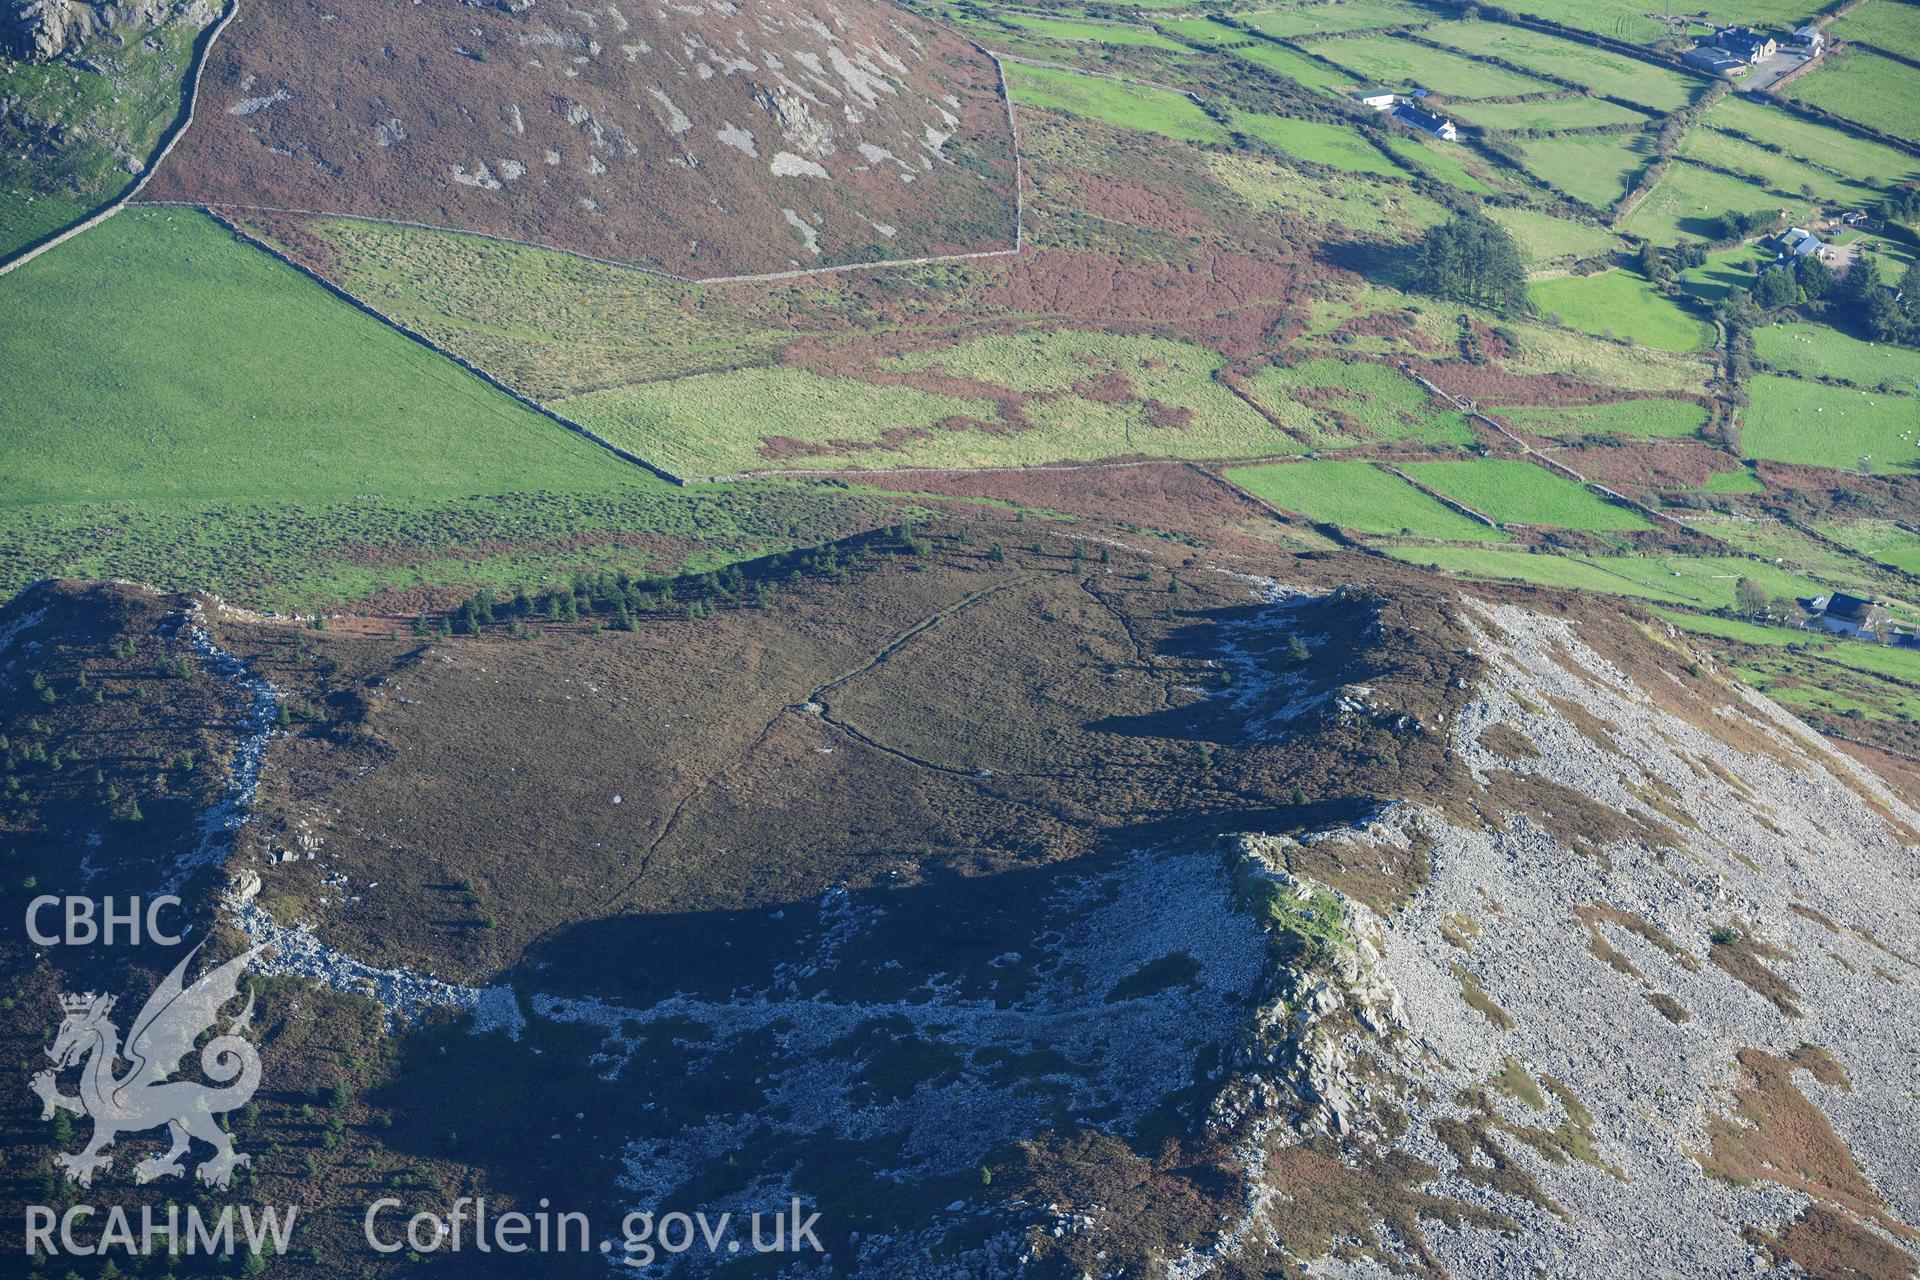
point(1470, 258)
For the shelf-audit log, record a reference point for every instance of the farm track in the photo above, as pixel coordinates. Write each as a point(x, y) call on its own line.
point(1141, 656)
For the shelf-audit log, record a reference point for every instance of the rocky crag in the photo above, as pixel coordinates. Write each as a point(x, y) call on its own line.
point(42, 30)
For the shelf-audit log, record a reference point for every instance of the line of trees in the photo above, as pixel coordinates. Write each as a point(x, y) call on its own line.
point(616, 599)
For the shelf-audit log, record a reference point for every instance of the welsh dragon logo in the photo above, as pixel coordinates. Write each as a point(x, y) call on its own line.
point(144, 1097)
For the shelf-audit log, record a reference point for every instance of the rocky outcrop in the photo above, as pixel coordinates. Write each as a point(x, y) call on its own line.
point(41, 30)
point(1328, 999)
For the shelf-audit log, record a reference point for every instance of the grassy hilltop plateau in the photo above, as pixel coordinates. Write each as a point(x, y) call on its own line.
point(1111, 638)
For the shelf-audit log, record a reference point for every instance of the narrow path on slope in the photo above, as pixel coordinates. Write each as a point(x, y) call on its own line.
point(700, 788)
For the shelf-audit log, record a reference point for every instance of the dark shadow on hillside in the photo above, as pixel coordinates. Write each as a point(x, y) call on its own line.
point(542, 1116)
point(1389, 265)
point(698, 1058)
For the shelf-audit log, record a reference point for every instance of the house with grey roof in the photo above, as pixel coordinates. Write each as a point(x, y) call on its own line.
point(1798, 242)
point(1431, 122)
point(1746, 43)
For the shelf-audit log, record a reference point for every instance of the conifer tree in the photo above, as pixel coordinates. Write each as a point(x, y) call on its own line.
point(1470, 258)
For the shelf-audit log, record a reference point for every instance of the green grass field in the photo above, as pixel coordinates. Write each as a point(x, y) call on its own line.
point(1321, 19)
point(238, 429)
point(1891, 24)
point(549, 323)
point(1124, 105)
point(1901, 664)
point(1545, 238)
point(1596, 169)
point(1548, 350)
point(1443, 161)
point(1390, 60)
point(1795, 549)
point(225, 375)
point(783, 418)
point(1780, 173)
point(1889, 259)
point(1333, 145)
point(1652, 417)
point(1340, 203)
point(1790, 420)
point(1203, 31)
point(1092, 32)
point(1621, 304)
point(1855, 679)
point(1863, 86)
point(1744, 632)
point(1689, 199)
point(28, 216)
point(1612, 74)
point(1627, 20)
point(1621, 19)
point(1829, 680)
point(1697, 582)
point(1277, 59)
point(1816, 351)
point(1294, 65)
point(1858, 158)
point(1724, 272)
point(1360, 497)
point(1574, 112)
point(1741, 481)
point(1763, 13)
point(1341, 402)
point(716, 423)
point(1883, 540)
point(1515, 492)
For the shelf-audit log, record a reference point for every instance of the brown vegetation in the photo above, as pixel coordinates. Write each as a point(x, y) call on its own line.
point(1829, 1245)
point(1780, 1136)
point(1736, 950)
point(612, 134)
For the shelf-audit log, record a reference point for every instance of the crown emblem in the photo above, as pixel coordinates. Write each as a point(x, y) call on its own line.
point(76, 1004)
